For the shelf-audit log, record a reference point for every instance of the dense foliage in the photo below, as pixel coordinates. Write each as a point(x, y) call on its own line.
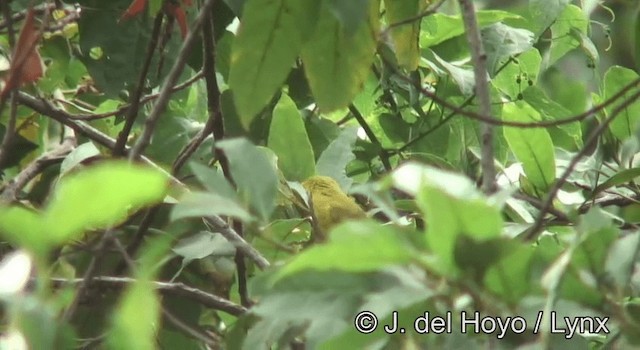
point(153, 152)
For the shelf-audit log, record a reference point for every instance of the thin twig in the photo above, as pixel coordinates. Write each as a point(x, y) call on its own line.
point(535, 229)
point(232, 236)
point(134, 101)
point(176, 289)
point(171, 79)
point(384, 157)
point(45, 108)
point(36, 167)
point(479, 59)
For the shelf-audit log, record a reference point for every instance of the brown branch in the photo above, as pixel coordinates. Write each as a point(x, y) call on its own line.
point(384, 157)
point(36, 167)
point(525, 125)
point(174, 74)
point(125, 107)
point(175, 289)
point(479, 59)
point(134, 101)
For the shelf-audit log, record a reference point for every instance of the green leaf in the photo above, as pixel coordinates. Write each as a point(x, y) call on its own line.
point(270, 37)
point(532, 147)
point(563, 37)
point(200, 204)
point(101, 196)
point(351, 14)
point(24, 228)
point(354, 247)
point(515, 77)
point(439, 27)
point(213, 180)
point(336, 156)
point(625, 124)
point(405, 37)
point(77, 156)
point(123, 46)
point(502, 41)
point(254, 175)
point(289, 141)
point(621, 258)
point(551, 110)
point(619, 178)
point(202, 245)
point(336, 64)
point(453, 206)
point(545, 12)
point(137, 318)
point(510, 277)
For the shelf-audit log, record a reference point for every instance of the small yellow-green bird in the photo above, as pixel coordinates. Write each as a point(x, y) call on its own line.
point(330, 205)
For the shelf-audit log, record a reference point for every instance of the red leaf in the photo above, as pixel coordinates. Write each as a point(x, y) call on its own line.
point(134, 8)
point(178, 13)
point(26, 64)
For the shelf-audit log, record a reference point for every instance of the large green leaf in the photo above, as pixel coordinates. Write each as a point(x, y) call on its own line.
point(288, 139)
point(24, 228)
point(439, 27)
point(545, 12)
point(354, 247)
point(336, 64)
point(532, 147)
point(123, 44)
point(101, 196)
point(270, 37)
point(199, 204)
point(502, 41)
point(625, 124)
point(253, 174)
point(351, 14)
point(571, 20)
point(453, 206)
point(405, 37)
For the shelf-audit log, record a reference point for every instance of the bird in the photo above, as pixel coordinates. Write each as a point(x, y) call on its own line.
point(330, 205)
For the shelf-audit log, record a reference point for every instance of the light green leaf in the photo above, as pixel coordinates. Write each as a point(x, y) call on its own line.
point(336, 64)
point(213, 180)
point(288, 139)
point(502, 41)
point(439, 27)
point(200, 204)
point(621, 258)
point(137, 319)
point(23, 227)
point(254, 175)
point(625, 124)
point(354, 247)
point(619, 178)
point(545, 12)
point(405, 37)
point(351, 14)
point(453, 205)
point(270, 37)
point(336, 156)
point(77, 156)
point(564, 39)
point(532, 147)
point(101, 196)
